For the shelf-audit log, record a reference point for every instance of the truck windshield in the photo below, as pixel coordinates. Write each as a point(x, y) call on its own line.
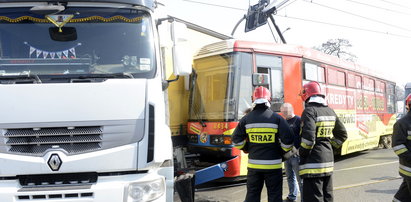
point(212, 95)
point(77, 41)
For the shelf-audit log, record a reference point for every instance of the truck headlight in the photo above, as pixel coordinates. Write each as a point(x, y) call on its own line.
point(145, 191)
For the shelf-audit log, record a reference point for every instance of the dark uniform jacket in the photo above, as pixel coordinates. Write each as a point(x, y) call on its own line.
point(401, 143)
point(295, 125)
point(266, 134)
point(321, 130)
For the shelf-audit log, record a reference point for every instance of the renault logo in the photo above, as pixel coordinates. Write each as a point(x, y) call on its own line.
point(54, 162)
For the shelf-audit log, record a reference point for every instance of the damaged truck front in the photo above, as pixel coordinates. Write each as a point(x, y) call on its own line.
point(83, 108)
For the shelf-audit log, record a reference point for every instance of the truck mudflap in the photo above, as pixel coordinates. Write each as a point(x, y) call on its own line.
point(214, 172)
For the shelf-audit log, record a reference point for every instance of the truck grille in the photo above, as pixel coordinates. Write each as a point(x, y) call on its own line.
point(53, 197)
point(38, 140)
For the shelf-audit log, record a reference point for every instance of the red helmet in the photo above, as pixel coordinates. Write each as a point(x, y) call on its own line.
point(261, 95)
point(408, 100)
point(310, 89)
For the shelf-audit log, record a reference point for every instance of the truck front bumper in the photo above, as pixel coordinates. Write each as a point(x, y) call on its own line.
point(106, 189)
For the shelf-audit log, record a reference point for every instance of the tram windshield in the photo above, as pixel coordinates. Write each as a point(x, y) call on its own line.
point(221, 89)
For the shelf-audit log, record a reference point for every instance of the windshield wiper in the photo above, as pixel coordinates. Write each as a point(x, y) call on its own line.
point(17, 76)
point(107, 75)
point(91, 76)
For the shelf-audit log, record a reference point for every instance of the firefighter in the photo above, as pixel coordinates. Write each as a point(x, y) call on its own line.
point(321, 131)
point(401, 143)
point(266, 135)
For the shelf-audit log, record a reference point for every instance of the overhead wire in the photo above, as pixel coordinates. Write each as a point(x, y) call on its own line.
point(345, 26)
point(272, 33)
point(282, 7)
point(287, 4)
point(396, 4)
point(309, 20)
point(217, 5)
point(360, 16)
point(234, 8)
point(378, 7)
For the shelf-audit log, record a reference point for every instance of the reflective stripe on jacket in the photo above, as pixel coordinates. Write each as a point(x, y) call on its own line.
point(266, 134)
point(321, 130)
point(401, 144)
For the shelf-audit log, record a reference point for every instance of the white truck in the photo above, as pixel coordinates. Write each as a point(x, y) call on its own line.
point(82, 101)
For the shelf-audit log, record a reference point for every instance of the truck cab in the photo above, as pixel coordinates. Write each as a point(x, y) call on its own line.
point(83, 110)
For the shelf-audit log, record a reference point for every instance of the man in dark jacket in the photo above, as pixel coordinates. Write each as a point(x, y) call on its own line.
point(265, 134)
point(321, 130)
point(401, 143)
point(292, 164)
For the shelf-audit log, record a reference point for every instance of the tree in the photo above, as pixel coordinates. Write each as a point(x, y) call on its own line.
point(339, 48)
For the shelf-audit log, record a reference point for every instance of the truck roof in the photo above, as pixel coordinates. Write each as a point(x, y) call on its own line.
point(146, 3)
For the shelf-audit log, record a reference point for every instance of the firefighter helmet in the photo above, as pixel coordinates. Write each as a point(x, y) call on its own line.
point(310, 89)
point(408, 100)
point(261, 95)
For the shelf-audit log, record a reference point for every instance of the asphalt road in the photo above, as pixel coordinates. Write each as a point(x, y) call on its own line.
point(364, 177)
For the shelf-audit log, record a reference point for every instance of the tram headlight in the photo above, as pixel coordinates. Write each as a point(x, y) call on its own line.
point(220, 139)
point(192, 138)
point(145, 191)
point(216, 139)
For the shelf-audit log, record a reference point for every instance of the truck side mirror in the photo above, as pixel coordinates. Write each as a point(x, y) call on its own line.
point(182, 60)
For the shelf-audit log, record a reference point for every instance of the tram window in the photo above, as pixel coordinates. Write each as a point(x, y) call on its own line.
point(313, 72)
point(332, 76)
point(391, 98)
point(246, 91)
point(262, 70)
point(368, 84)
point(277, 85)
point(340, 78)
point(268, 61)
point(358, 82)
point(336, 77)
point(351, 80)
point(321, 74)
point(390, 89)
point(272, 65)
point(379, 87)
point(310, 72)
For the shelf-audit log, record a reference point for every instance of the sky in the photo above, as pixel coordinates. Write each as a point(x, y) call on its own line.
point(379, 30)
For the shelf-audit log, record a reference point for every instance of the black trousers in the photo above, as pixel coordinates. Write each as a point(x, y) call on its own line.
point(318, 189)
point(273, 181)
point(404, 192)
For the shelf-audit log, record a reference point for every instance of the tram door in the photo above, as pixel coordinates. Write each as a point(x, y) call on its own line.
point(272, 65)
